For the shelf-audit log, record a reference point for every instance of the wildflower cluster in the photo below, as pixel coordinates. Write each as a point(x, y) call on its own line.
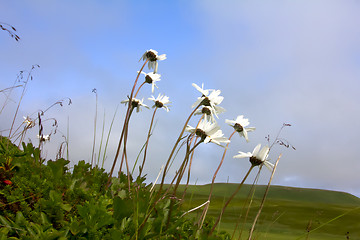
point(207, 130)
point(123, 191)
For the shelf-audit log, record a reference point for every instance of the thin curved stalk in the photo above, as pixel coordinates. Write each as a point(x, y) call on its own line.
point(230, 199)
point(264, 198)
point(125, 123)
point(213, 180)
point(173, 150)
point(147, 141)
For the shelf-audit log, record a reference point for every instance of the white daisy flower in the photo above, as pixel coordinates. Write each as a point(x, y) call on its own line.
point(257, 157)
point(136, 103)
point(160, 102)
point(209, 112)
point(209, 132)
point(204, 92)
point(43, 138)
point(152, 56)
point(240, 124)
point(210, 100)
point(152, 78)
point(29, 122)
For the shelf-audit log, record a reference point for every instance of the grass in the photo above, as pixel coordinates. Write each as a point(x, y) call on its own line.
point(288, 212)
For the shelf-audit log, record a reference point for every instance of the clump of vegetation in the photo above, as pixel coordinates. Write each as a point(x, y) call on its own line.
point(47, 201)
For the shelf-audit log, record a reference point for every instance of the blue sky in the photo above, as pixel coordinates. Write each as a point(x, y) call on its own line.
point(275, 62)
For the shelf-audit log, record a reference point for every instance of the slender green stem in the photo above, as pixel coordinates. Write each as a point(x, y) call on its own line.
point(173, 150)
point(213, 180)
point(95, 121)
point(108, 137)
point(147, 141)
point(139, 89)
point(125, 123)
point(230, 199)
point(157, 197)
point(67, 139)
point(181, 174)
point(248, 202)
point(263, 200)
point(21, 97)
point(183, 166)
point(191, 158)
point(101, 140)
point(124, 155)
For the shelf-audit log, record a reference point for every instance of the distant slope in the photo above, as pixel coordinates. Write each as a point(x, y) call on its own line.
point(288, 212)
point(278, 193)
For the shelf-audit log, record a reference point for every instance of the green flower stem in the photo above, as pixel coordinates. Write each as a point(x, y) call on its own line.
point(230, 199)
point(29, 77)
point(125, 124)
point(183, 165)
point(213, 180)
point(157, 197)
point(181, 174)
point(173, 150)
point(95, 122)
point(108, 137)
point(139, 89)
point(263, 200)
point(191, 158)
point(124, 155)
point(147, 141)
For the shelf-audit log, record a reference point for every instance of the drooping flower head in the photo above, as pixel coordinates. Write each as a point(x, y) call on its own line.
point(161, 102)
point(152, 56)
point(257, 157)
point(204, 92)
point(240, 124)
point(209, 112)
point(209, 132)
point(152, 78)
point(43, 138)
point(211, 100)
point(136, 103)
point(29, 122)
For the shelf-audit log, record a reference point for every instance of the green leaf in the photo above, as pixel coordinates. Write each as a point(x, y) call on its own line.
point(122, 208)
point(58, 167)
point(66, 207)
point(75, 228)
point(122, 194)
point(5, 222)
point(20, 219)
point(54, 196)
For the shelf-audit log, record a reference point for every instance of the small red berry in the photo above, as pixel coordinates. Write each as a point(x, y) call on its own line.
point(7, 182)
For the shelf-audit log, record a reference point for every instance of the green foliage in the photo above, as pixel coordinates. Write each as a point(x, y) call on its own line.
point(45, 200)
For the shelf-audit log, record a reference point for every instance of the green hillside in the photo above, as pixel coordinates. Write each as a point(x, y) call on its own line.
point(288, 212)
point(280, 193)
